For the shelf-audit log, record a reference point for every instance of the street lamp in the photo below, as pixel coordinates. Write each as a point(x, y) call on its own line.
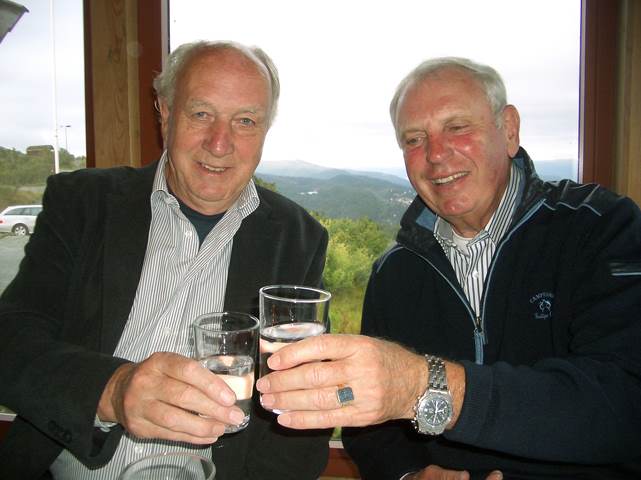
point(66, 144)
point(10, 13)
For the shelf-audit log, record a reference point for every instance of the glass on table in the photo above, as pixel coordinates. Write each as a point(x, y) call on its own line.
point(226, 344)
point(289, 313)
point(170, 466)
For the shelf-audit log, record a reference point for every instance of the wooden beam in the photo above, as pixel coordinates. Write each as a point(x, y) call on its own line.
point(112, 54)
point(599, 47)
point(628, 138)
point(124, 45)
point(153, 40)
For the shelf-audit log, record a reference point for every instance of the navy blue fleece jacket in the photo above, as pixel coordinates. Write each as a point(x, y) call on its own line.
point(553, 390)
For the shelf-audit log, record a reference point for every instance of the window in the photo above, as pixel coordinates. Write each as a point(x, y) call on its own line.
point(43, 131)
point(41, 63)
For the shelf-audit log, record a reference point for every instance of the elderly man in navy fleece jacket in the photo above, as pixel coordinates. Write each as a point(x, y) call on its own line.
point(514, 305)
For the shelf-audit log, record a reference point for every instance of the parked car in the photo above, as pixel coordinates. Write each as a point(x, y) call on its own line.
point(19, 219)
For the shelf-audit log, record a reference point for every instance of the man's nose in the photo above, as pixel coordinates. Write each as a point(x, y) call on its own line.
point(218, 140)
point(438, 149)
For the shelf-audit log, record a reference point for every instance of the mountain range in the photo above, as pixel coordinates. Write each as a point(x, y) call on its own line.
point(300, 168)
point(380, 196)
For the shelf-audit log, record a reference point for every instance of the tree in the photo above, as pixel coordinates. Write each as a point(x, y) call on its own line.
point(23, 176)
point(353, 247)
point(268, 185)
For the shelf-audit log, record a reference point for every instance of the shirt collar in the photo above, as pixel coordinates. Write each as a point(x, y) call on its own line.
point(245, 204)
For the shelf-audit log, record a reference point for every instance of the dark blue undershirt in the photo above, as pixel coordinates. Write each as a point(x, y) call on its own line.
point(202, 223)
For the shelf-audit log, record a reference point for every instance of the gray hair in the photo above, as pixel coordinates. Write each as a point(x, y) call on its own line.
point(488, 78)
point(165, 81)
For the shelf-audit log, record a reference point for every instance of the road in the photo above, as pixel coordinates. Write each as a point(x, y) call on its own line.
point(11, 252)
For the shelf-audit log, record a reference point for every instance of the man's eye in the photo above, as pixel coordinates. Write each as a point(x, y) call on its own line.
point(200, 115)
point(412, 141)
point(247, 122)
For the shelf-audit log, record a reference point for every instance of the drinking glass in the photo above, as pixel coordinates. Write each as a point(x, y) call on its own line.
point(226, 344)
point(289, 313)
point(170, 466)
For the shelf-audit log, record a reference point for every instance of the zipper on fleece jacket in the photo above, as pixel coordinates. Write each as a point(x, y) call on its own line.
point(479, 336)
point(479, 320)
point(479, 340)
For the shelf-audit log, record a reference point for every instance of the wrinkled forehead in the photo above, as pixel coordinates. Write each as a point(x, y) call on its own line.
point(446, 79)
point(225, 60)
point(449, 85)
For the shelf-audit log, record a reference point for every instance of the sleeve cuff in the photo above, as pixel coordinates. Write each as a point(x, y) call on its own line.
point(104, 426)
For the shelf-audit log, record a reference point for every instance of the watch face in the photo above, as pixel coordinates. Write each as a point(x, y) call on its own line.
point(434, 413)
point(437, 411)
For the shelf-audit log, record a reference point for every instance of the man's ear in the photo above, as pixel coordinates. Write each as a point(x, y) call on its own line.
point(511, 127)
point(165, 113)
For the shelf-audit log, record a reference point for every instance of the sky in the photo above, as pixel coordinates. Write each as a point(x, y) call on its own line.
point(339, 64)
point(26, 96)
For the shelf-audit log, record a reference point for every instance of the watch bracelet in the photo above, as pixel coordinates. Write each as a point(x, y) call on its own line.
point(437, 375)
point(437, 365)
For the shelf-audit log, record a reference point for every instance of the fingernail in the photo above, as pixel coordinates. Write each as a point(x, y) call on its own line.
point(237, 416)
point(267, 400)
point(285, 420)
point(262, 385)
point(227, 398)
point(273, 361)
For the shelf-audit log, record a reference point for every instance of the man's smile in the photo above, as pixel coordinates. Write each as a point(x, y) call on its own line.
point(209, 168)
point(449, 179)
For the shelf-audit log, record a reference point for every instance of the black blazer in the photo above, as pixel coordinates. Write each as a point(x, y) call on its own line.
point(63, 314)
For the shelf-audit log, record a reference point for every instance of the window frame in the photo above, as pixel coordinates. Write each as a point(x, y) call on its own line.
point(147, 21)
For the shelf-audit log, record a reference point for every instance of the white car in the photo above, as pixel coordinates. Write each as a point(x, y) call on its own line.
point(19, 219)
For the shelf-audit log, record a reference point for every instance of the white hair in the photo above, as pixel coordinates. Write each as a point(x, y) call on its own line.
point(165, 82)
point(488, 78)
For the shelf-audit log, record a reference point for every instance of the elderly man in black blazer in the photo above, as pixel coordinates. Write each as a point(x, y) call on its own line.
point(95, 351)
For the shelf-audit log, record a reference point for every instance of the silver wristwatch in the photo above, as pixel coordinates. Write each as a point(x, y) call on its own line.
point(433, 409)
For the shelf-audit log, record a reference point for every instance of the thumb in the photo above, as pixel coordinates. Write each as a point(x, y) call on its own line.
point(495, 475)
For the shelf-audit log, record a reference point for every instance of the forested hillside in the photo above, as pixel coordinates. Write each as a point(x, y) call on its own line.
point(23, 175)
point(347, 196)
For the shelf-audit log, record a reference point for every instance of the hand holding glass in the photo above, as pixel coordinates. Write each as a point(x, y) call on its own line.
point(170, 466)
point(287, 314)
point(226, 344)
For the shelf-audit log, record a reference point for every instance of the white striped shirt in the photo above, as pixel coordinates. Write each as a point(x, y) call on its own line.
point(471, 258)
point(179, 281)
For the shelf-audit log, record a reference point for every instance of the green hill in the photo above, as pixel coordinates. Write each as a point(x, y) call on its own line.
point(347, 196)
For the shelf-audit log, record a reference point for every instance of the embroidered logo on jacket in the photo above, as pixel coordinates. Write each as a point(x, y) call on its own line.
point(542, 303)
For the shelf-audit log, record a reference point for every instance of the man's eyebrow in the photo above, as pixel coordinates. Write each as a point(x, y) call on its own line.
point(411, 130)
point(198, 103)
point(195, 103)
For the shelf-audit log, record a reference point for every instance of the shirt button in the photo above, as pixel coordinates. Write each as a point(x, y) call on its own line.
point(475, 274)
point(167, 331)
point(188, 234)
point(138, 449)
